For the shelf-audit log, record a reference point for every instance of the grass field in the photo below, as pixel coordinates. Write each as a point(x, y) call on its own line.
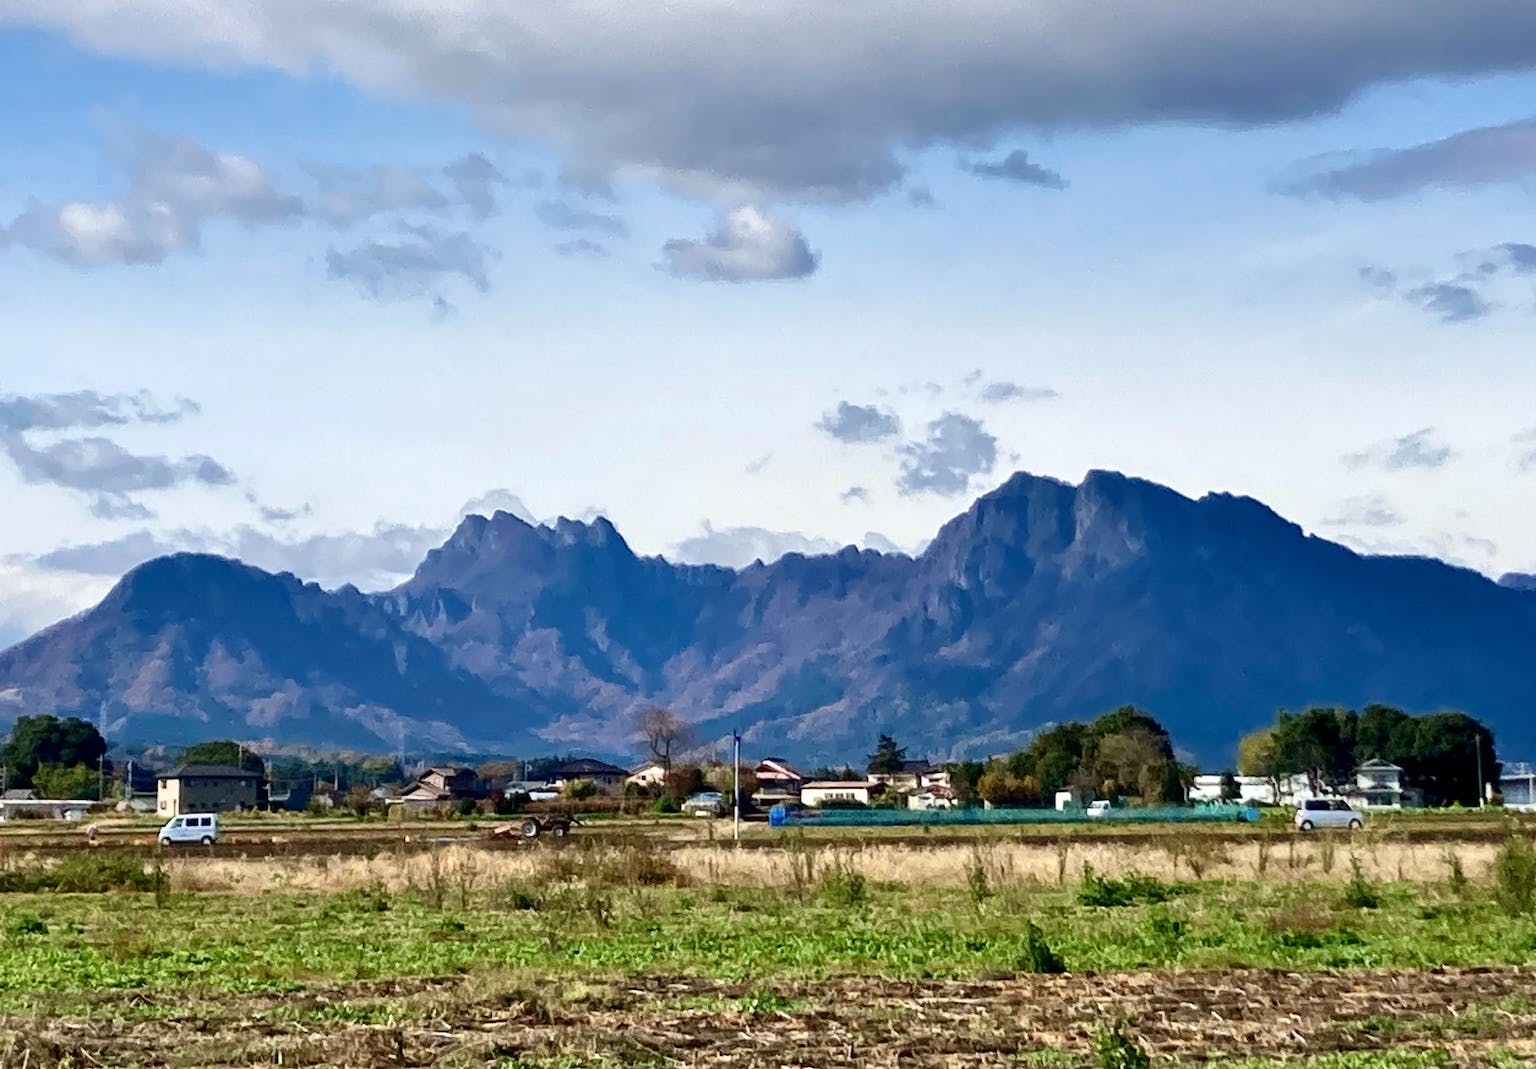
point(624, 953)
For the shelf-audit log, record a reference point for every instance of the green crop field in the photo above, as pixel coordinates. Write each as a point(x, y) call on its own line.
point(621, 955)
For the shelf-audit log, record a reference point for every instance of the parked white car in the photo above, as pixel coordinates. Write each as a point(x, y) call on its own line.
point(705, 804)
point(1099, 808)
point(1328, 813)
point(191, 828)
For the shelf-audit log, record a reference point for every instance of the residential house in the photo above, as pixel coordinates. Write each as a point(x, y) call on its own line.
point(1379, 785)
point(819, 792)
point(206, 789)
point(608, 779)
point(936, 797)
point(422, 797)
point(292, 797)
point(1517, 785)
point(777, 781)
point(456, 780)
point(1073, 798)
point(913, 776)
point(1254, 790)
point(651, 776)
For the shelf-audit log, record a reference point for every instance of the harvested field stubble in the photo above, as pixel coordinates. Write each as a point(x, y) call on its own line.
point(1298, 860)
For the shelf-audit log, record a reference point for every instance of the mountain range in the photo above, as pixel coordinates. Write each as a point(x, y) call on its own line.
point(1043, 601)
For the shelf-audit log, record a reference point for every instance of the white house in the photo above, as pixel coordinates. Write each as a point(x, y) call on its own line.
point(650, 776)
point(1517, 783)
point(1379, 785)
point(819, 792)
point(1254, 790)
point(913, 776)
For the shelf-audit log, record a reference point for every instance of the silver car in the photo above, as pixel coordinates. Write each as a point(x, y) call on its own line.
point(705, 804)
point(1328, 813)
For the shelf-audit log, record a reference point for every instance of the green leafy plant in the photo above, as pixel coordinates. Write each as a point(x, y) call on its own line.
point(1128, 890)
point(1360, 893)
point(1514, 876)
point(1038, 955)
point(1116, 1050)
point(1455, 875)
point(976, 881)
point(27, 924)
point(842, 885)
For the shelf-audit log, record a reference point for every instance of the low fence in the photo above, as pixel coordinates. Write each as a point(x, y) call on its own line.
point(781, 816)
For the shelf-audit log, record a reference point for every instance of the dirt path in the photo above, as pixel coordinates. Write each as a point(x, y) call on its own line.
point(1194, 1017)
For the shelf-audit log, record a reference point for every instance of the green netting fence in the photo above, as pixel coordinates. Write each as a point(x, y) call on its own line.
point(782, 816)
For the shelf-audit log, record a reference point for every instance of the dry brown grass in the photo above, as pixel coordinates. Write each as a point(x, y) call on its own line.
point(1288, 860)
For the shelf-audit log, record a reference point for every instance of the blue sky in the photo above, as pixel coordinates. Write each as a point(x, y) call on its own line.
point(303, 282)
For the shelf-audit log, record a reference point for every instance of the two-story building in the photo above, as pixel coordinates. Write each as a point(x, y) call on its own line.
point(1379, 785)
point(912, 777)
point(206, 789)
point(777, 781)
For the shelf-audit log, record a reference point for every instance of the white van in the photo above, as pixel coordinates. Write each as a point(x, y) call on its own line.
point(191, 828)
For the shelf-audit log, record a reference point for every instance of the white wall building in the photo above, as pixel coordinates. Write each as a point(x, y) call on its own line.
point(819, 792)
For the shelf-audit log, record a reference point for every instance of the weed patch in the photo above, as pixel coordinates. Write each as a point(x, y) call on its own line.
point(1128, 890)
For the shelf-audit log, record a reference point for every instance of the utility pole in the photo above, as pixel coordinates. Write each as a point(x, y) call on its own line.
point(736, 786)
point(101, 778)
point(1482, 788)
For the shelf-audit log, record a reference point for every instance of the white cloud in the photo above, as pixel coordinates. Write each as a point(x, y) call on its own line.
point(174, 187)
point(1421, 449)
point(749, 245)
point(31, 597)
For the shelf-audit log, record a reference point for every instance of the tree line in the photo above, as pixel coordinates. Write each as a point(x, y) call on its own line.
point(1447, 756)
point(1122, 754)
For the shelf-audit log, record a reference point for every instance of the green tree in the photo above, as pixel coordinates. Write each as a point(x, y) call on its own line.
point(964, 777)
point(1319, 743)
point(66, 781)
point(1258, 754)
point(1139, 762)
point(225, 752)
point(1440, 755)
point(1053, 757)
point(888, 757)
point(359, 800)
point(1374, 730)
point(1230, 791)
point(999, 786)
point(48, 740)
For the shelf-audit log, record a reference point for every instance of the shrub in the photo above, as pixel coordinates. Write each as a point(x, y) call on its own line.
point(842, 886)
point(94, 872)
point(1127, 891)
point(1116, 1050)
point(664, 805)
point(1167, 930)
point(1455, 874)
point(976, 881)
point(1514, 876)
point(1038, 957)
point(27, 924)
point(1360, 893)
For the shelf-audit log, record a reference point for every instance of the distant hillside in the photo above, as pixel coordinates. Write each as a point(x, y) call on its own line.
point(1043, 601)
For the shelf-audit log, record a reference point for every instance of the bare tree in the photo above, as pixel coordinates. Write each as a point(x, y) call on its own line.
point(663, 732)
